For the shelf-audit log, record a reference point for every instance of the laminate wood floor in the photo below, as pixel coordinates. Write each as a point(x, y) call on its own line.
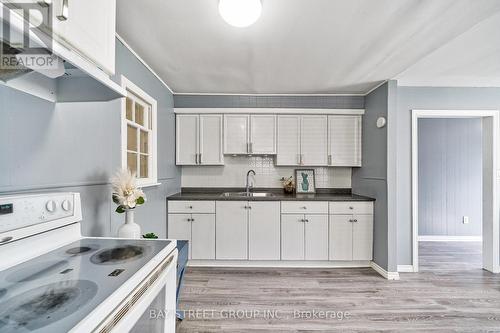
point(450, 294)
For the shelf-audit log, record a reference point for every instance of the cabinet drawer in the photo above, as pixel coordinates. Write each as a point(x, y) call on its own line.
point(351, 207)
point(196, 206)
point(304, 207)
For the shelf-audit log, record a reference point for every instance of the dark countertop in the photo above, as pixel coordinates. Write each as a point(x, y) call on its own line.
point(279, 195)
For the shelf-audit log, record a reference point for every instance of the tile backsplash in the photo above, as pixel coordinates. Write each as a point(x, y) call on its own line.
point(233, 173)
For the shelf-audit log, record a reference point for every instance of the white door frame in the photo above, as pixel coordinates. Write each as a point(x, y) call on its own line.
point(491, 173)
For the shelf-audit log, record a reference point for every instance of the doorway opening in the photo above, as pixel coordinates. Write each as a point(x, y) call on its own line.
point(454, 189)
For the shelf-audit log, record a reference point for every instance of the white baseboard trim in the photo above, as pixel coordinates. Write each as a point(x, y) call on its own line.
point(384, 273)
point(405, 268)
point(278, 264)
point(431, 238)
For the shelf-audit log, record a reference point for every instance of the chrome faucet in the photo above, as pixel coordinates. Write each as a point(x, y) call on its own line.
point(248, 186)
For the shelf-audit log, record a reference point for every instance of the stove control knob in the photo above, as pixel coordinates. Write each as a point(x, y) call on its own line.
point(66, 205)
point(50, 206)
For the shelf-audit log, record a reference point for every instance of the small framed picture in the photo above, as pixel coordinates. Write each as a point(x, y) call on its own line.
point(305, 181)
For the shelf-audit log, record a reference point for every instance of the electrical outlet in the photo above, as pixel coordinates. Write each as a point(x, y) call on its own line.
point(465, 220)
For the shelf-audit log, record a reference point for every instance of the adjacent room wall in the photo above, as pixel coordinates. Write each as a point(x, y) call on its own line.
point(232, 174)
point(450, 176)
point(76, 147)
point(426, 98)
point(371, 179)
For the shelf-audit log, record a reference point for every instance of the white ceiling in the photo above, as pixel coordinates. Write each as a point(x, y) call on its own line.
point(315, 46)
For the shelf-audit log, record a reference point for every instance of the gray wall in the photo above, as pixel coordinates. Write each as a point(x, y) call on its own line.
point(450, 176)
point(76, 147)
point(426, 98)
point(371, 179)
point(242, 101)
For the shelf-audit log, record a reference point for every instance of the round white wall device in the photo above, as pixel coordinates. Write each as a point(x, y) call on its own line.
point(381, 122)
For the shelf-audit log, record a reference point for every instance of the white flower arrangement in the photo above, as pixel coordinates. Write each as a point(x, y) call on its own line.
point(126, 194)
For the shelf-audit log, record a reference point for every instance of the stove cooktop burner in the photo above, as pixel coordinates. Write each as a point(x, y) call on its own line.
point(118, 254)
point(44, 305)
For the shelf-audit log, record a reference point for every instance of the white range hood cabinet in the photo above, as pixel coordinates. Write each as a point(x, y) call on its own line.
point(81, 80)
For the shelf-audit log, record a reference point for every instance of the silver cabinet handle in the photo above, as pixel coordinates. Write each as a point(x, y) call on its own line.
point(249, 207)
point(251, 147)
point(302, 220)
point(305, 207)
point(355, 220)
point(192, 220)
point(195, 158)
point(329, 159)
point(351, 207)
point(248, 147)
point(199, 158)
point(64, 11)
point(306, 220)
point(301, 159)
point(351, 220)
point(190, 207)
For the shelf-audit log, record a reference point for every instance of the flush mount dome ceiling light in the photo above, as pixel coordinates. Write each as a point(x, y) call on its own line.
point(240, 13)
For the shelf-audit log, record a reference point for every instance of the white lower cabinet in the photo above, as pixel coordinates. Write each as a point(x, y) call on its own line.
point(264, 230)
point(351, 237)
point(231, 235)
point(316, 237)
point(198, 229)
point(304, 237)
point(292, 237)
point(248, 230)
point(273, 230)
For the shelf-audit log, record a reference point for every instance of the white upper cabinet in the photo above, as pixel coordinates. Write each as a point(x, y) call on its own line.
point(186, 139)
point(236, 134)
point(344, 141)
point(249, 134)
point(89, 28)
point(288, 150)
point(199, 140)
point(314, 140)
point(262, 134)
point(302, 140)
point(211, 140)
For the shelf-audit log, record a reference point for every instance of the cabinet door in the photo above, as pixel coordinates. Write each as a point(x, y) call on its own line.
point(292, 237)
point(203, 236)
point(288, 149)
point(211, 140)
point(231, 237)
point(236, 134)
point(179, 227)
point(344, 140)
point(264, 231)
point(263, 134)
point(341, 242)
point(89, 28)
point(314, 140)
point(316, 237)
point(186, 141)
point(362, 234)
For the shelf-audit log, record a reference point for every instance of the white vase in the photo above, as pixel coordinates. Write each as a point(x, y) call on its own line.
point(129, 229)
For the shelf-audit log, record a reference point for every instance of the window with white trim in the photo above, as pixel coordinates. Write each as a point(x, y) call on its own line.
point(139, 134)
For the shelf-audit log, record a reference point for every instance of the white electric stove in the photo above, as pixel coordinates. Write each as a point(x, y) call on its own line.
point(54, 280)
